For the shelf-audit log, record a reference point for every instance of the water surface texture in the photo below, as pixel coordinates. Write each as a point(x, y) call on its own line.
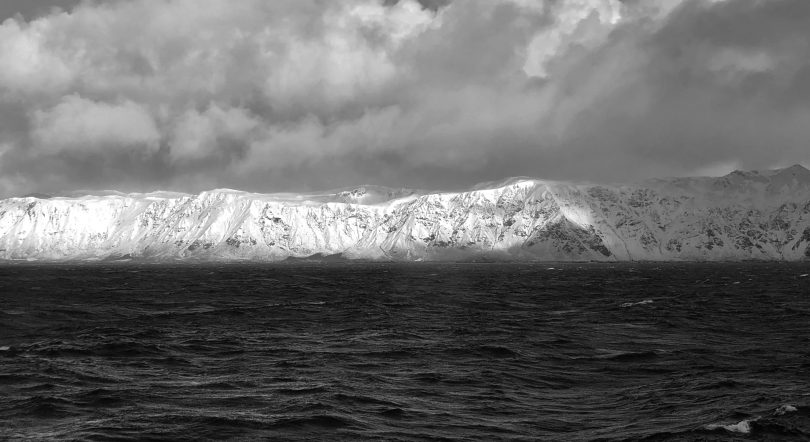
point(392, 351)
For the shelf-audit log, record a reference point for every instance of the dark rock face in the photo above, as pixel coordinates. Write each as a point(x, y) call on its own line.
point(571, 239)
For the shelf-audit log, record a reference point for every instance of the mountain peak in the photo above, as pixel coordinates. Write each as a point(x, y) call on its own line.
point(790, 177)
point(797, 169)
point(775, 178)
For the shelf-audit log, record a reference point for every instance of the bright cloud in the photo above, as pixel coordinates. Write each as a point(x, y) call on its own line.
point(78, 125)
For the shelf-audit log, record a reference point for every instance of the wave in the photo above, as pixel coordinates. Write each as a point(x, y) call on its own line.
point(785, 409)
point(328, 421)
point(742, 427)
point(773, 425)
point(46, 407)
point(632, 304)
point(363, 400)
point(101, 397)
point(301, 390)
point(629, 356)
point(123, 348)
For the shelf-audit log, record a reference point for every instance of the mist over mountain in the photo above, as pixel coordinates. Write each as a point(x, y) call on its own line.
point(760, 215)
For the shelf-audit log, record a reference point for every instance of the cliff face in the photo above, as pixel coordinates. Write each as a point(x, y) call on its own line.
point(744, 215)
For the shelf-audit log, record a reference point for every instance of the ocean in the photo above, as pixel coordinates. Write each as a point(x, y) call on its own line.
point(405, 351)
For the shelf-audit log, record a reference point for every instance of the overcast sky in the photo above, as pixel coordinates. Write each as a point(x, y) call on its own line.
point(313, 94)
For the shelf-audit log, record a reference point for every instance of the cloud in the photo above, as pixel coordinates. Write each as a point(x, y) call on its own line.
point(711, 84)
point(77, 125)
point(29, 66)
point(303, 94)
point(198, 135)
point(30, 9)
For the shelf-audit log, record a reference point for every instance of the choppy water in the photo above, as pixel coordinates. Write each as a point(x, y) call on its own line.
point(406, 352)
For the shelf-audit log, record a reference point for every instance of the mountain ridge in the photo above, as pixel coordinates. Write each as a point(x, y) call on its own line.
point(757, 215)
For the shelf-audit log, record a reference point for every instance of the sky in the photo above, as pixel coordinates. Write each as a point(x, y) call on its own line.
point(299, 95)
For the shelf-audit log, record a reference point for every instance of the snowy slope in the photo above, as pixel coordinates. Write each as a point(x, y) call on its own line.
point(743, 215)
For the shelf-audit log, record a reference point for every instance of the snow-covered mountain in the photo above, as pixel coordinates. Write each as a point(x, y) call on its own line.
point(743, 215)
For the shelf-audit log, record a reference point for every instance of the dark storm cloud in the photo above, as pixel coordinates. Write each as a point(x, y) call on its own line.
point(433, 5)
point(304, 94)
point(31, 9)
point(717, 84)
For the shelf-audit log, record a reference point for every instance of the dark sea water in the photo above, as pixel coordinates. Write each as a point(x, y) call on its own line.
point(359, 351)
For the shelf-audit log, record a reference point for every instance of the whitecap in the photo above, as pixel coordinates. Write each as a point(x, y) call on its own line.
point(742, 427)
point(784, 409)
point(5, 348)
point(804, 275)
point(631, 304)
